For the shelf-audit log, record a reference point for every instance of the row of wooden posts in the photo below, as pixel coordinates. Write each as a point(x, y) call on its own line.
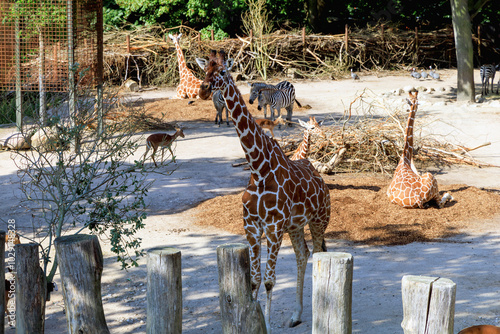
point(428, 302)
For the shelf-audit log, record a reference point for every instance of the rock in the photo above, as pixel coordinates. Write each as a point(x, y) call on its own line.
point(421, 89)
point(408, 89)
point(15, 141)
point(45, 138)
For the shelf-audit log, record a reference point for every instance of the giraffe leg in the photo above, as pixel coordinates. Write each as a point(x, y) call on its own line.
point(254, 238)
point(301, 255)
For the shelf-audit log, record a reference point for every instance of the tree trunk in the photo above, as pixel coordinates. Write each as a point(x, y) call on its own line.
point(80, 266)
point(463, 44)
point(240, 314)
point(164, 291)
point(30, 290)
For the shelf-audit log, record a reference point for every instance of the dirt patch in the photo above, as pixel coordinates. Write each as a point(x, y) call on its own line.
point(362, 213)
point(197, 109)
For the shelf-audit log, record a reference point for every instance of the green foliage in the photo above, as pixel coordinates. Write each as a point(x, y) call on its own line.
point(97, 187)
point(219, 34)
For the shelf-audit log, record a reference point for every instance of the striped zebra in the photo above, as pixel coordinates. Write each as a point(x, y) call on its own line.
point(487, 72)
point(254, 93)
point(220, 104)
point(277, 97)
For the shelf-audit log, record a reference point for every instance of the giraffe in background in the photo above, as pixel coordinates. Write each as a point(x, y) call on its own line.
point(189, 85)
point(282, 195)
point(311, 128)
point(408, 188)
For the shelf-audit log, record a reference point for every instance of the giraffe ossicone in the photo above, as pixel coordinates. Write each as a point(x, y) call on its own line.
point(408, 188)
point(282, 195)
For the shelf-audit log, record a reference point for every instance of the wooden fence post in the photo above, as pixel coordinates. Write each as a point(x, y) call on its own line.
point(428, 305)
point(346, 39)
point(332, 293)
point(31, 288)
point(80, 266)
point(164, 291)
point(239, 312)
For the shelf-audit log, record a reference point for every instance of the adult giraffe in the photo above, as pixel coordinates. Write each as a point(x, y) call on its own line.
point(408, 188)
point(189, 84)
point(281, 196)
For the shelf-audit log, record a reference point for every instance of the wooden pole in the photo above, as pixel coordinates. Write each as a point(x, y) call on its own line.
point(346, 38)
point(332, 293)
point(304, 36)
point(31, 288)
point(428, 305)
point(479, 41)
point(212, 34)
point(239, 312)
point(128, 43)
point(80, 267)
point(164, 291)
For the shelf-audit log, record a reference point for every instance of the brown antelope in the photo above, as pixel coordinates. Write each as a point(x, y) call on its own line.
point(267, 124)
point(162, 140)
point(481, 329)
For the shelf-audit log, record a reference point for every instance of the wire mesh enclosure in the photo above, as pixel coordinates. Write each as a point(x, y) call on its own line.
point(50, 36)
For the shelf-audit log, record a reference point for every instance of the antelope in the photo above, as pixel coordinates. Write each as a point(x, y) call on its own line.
point(267, 124)
point(481, 329)
point(163, 140)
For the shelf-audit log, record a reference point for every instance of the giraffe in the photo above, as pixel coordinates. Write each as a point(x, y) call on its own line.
point(189, 85)
point(282, 195)
point(408, 188)
point(311, 128)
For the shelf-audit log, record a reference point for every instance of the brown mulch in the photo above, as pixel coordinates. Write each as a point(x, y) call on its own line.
point(362, 213)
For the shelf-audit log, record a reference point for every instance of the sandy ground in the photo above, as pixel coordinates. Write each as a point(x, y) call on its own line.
point(204, 171)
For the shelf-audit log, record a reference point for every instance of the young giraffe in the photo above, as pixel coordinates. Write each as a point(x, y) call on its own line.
point(311, 128)
point(281, 196)
point(189, 85)
point(409, 189)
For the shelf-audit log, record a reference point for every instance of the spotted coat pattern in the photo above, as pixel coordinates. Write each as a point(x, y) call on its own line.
point(303, 149)
point(282, 196)
point(409, 189)
point(189, 84)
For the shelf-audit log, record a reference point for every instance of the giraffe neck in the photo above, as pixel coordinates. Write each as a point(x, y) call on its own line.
point(408, 148)
point(183, 69)
point(303, 148)
point(259, 149)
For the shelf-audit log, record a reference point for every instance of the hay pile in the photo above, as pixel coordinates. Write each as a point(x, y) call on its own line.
point(370, 142)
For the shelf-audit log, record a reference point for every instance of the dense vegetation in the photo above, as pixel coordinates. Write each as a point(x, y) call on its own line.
point(224, 16)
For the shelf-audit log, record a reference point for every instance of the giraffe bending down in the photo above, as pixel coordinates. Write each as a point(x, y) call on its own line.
point(311, 128)
point(408, 188)
point(189, 85)
point(282, 195)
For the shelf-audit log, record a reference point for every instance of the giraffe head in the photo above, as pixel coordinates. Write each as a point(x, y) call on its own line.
point(175, 38)
point(412, 100)
point(216, 69)
point(313, 127)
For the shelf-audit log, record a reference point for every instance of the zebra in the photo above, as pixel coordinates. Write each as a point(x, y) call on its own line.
point(220, 104)
point(285, 86)
point(280, 96)
point(487, 72)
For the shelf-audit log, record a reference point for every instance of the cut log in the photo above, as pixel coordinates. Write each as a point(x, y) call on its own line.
point(332, 293)
point(30, 290)
point(239, 312)
point(428, 304)
point(2, 278)
point(164, 291)
point(80, 265)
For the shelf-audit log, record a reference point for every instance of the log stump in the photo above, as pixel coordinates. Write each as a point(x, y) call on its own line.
point(164, 291)
point(332, 293)
point(428, 305)
point(80, 265)
point(239, 312)
point(30, 290)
